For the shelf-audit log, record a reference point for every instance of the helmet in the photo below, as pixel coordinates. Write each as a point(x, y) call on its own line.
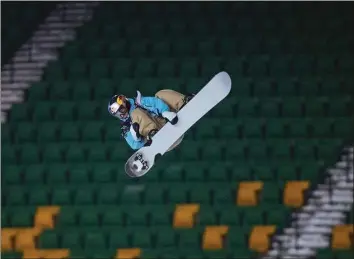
point(117, 106)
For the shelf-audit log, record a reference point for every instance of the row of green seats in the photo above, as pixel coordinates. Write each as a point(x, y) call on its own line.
point(163, 173)
point(224, 47)
point(208, 128)
point(118, 237)
point(256, 66)
point(83, 89)
point(153, 193)
point(286, 107)
point(189, 150)
point(149, 215)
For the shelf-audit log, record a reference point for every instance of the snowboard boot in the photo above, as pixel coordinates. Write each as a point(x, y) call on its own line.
point(186, 99)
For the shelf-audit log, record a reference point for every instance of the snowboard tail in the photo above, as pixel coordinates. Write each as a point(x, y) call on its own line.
point(207, 98)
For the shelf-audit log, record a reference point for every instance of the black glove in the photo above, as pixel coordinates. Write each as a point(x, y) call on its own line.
point(134, 129)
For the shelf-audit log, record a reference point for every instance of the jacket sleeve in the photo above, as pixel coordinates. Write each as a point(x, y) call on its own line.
point(134, 144)
point(154, 104)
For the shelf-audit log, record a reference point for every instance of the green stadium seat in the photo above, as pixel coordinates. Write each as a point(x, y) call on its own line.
point(117, 49)
point(79, 174)
point(194, 84)
point(38, 197)
point(65, 111)
point(230, 216)
point(264, 88)
point(216, 152)
point(217, 173)
point(75, 154)
point(190, 151)
point(201, 197)
point(108, 196)
point(89, 217)
point(166, 237)
point(77, 69)
point(280, 66)
point(257, 66)
point(274, 128)
point(34, 174)
point(189, 67)
point(136, 216)
point(123, 67)
point(253, 216)
point(177, 195)
point(154, 196)
point(235, 150)
point(69, 131)
point(206, 216)
point(222, 196)
point(22, 218)
point(286, 86)
point(25, 132)
point(38, 91)
point(9, 155)
point(252, 128)
point(302, 65)
point(131, 196)
point(47, 132)
point(87, 110)
point(12, 174)
point(92, 131)
point(62, 196)
point(71, 238)
point(271, 193)
point(118, 238)
point(102, 173)
point(292, 107)
point(298, 127)
point(99, 69)
point(138, 48)
point(48, 240)
point(188, 239)
point(57, 174)
point(209, 66)
point(247, 108)
point(43, 111)
point(84, 196)
point(181, 48)
point(160, 48)
point(29, 154)
point(113, 217)
point(144, 67)
point(166, 67)
point(142, 240)
point(94, 241)
point(60, 91)
point(52, 153)
point(197, 173)
point(81, 91)
point(20, 112)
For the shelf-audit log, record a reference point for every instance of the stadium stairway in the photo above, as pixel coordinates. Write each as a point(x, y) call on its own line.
point(28, 63)
point(324, 211)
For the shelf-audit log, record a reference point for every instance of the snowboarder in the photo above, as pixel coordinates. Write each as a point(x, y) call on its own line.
point(142, 117)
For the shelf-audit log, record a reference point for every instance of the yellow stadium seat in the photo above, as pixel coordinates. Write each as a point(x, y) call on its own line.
point(44, 217)
point(247, 194)
point(294, 193)
point(259, 238)
point(47, 254)
point(7, 238)
point(25, 238)
point(341, 237)
point(213, 237)
point(128, 253)
point(184, 215)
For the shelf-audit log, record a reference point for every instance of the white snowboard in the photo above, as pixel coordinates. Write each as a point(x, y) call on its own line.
point(208, 97)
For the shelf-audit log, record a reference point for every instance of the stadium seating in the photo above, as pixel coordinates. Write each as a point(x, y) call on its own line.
point(239, 173)
point(19, 21)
